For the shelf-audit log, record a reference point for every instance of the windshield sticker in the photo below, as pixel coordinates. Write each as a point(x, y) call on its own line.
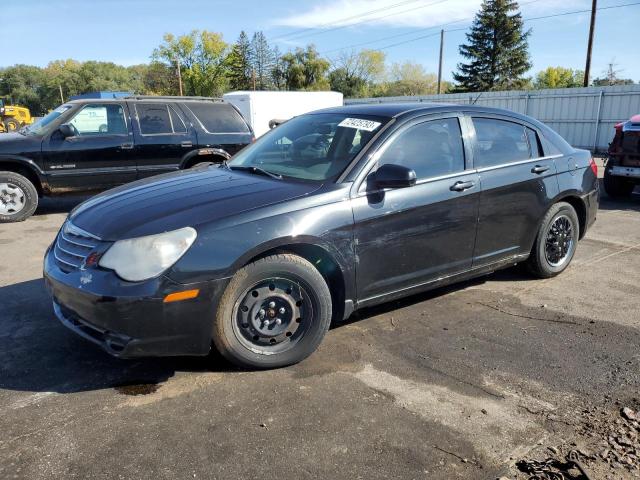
point(360, 124)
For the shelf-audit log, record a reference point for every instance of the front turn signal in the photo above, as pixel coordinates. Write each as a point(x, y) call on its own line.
point(179, 296)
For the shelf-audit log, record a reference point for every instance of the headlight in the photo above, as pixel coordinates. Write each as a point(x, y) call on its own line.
point(141, 258)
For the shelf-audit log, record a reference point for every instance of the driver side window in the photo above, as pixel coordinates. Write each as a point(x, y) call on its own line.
point(432, 149)
point(100, 119)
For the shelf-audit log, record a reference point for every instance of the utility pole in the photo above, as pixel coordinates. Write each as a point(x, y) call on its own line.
point(179, 77)
point(440, 62)
point(592, 27)
point(61, 96)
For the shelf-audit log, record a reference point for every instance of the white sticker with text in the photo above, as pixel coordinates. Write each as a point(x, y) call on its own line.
point(360, 124)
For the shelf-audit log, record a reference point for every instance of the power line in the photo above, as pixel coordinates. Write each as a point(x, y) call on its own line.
point(411, 32)
point(352, 17)
point(524, 19)
point(340, 27)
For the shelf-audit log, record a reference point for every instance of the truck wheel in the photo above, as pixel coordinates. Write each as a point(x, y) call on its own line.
point(18, 197)
point(11, 125)
point(555, 242)
point(617, 187)
point(274, 312)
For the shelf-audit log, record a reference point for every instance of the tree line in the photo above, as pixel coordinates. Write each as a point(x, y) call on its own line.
point(496, 57)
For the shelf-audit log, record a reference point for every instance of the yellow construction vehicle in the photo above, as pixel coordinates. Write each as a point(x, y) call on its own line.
point(13, 117)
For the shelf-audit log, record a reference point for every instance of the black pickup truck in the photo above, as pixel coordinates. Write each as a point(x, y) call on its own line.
point(90, 145)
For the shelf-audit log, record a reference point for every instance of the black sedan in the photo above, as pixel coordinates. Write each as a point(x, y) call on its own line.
point(329, 212)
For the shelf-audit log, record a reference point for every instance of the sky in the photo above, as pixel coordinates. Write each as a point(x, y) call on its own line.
point(126, 31)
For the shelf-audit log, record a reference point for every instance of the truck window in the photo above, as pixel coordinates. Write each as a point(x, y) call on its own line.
point(218, 117)
point(159, 119)
point(100, 119)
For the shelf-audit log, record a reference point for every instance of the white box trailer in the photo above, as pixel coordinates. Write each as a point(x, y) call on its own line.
point(259, 108)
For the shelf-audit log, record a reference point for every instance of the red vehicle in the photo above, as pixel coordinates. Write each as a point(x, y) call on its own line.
point(622, 172)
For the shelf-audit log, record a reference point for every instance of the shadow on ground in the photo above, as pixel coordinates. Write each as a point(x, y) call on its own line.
point(38, 354)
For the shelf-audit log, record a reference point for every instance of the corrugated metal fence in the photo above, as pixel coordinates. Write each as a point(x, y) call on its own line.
point(583, 116)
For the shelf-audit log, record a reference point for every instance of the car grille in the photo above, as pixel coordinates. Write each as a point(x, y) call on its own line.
point(73, 246)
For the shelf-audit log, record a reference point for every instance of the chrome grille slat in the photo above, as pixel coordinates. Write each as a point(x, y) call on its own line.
point(55, 254)
point(73, 246)
point(77, 255)
point(76, 242)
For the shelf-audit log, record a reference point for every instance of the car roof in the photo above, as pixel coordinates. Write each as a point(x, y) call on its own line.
point(406, 109)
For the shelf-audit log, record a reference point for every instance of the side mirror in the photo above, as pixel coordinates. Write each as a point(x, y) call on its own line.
point(66, 130)
point(394, 176)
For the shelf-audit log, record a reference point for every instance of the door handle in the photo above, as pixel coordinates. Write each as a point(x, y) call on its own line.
point(539, 169)
point(462, 186)
point(186, 144)
point(126, 146)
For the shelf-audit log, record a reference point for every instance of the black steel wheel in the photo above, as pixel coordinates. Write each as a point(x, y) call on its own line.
point(274, 313)
point(556, 241)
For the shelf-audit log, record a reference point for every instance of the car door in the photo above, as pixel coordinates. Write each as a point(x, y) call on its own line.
point(409, 236)
point(162, 137)
point(517, 183)
point(97, 156)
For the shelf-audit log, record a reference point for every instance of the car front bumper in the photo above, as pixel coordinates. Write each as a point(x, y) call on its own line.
point(131, 319)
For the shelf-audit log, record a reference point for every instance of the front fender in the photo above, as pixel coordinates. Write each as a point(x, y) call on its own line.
point(219, 252)
point(7, 161)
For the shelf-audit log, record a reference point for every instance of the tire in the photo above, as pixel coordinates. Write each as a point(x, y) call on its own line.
point(282, 285)
point(617, 187)
point(18, 197)
point(12, 124)
point(544, 263)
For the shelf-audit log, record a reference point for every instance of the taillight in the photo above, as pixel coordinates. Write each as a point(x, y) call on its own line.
point(594, 167)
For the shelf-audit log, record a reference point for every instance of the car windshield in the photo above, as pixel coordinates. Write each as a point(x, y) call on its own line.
point(315, 147)
point(40, 126)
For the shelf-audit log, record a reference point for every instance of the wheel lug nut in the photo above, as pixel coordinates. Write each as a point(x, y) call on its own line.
point(265, 324)
point(272, 304)
point(282, 310)
point(278, 321)
point(261, 313)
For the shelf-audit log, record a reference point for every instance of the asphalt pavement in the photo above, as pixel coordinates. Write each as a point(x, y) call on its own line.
point(484, 379)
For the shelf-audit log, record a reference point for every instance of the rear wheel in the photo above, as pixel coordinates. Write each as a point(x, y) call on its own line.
point(555, 242)
point(18, 197)
point(617, 187)
point(11, 124)
point(274, 312)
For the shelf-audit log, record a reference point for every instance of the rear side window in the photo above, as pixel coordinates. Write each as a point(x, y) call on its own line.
point(159, 119)
point(218, 117)
point(499, 142)
point(431, 149)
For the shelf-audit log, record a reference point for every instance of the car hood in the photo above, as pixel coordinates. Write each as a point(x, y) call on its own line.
point(12, 142)
point(179, 199)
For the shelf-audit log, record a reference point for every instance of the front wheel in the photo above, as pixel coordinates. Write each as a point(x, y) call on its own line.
point(18, 197)
point(274, 313)
point(555, 242)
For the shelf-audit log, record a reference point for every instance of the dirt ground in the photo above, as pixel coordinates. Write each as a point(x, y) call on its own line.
point(492, 378)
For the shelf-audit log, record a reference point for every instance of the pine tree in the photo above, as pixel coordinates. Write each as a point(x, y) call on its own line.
point(239, 62)
point(262, 61)
point(497, 49)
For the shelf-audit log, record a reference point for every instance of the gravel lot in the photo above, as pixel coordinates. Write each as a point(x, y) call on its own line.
point(478, 380)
